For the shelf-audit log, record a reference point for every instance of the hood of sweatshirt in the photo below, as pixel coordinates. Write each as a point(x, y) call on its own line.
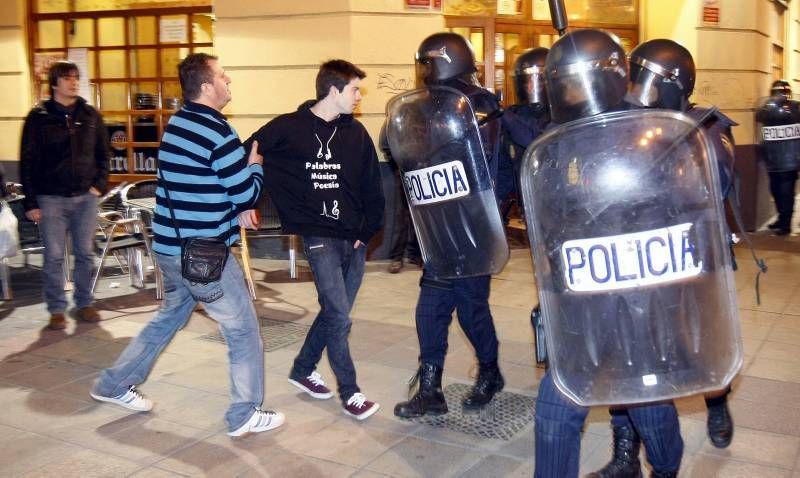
point(305, 109)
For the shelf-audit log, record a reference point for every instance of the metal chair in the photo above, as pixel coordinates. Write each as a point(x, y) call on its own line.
point(269, 226)
point(138, 200)
point(126, 234)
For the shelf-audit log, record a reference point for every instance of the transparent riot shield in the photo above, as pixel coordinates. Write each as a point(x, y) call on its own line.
point(433, 136)
point(632, 262)
point(778, 133)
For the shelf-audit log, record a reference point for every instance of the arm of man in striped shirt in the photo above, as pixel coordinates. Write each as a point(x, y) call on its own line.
point(249, 218)
point(241, 176)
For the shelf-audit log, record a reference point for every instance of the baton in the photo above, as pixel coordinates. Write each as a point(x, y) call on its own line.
point(558, 15)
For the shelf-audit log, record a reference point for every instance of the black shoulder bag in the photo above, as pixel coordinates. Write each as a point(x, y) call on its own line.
point(202, 258)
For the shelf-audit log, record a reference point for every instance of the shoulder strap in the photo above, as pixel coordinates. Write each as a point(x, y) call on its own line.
point(175, 224)
point(163, 184)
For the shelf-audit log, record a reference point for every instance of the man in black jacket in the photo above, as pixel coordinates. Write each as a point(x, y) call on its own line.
point(64, 169)
point(321, 170)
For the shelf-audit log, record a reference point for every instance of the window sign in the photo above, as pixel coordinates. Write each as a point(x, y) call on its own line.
point(509, 7)
point(424, 4)
point(541, 10)
point(418, 4)
point(80, 56)
point(711, 13)
point(172, 30)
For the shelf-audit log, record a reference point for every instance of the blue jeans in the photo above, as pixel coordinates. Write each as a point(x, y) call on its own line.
point(469, 297)
point(338, 270)
point(558, 433)
point(78, 216)
point(228, 302)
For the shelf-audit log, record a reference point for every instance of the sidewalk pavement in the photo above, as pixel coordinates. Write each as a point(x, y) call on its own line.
point(50, 427)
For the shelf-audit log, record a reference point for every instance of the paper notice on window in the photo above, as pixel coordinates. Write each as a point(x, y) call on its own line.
point(172, 30)
point(80, 56)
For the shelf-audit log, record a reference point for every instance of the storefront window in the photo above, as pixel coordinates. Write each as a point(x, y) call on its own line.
point(506, 28)
point(127, 52)
point(621, 12)
point(470, 7)
point(61, 6)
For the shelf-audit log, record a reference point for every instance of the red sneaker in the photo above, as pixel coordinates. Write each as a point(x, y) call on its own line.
point(359, 407)
point(313, 385)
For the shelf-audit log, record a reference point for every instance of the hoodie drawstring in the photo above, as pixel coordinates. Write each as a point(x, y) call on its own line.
point(328, 154)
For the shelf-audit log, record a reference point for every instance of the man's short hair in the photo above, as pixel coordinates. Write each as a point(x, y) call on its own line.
point(193, 71)
point(336, 73)
point(60, 69)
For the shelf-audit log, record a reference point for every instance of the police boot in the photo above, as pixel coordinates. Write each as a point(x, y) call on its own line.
point(720, 423)
point(429, 399)
point(625, 461)
point(489, 382)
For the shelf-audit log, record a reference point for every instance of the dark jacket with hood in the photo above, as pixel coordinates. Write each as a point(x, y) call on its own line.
point(64, 151)
point(322, 176)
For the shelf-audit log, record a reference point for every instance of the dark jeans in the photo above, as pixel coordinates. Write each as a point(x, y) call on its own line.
point(558, 433)
point(469, 297)
point(782, 185)
point(404, 237)
point(337, 269)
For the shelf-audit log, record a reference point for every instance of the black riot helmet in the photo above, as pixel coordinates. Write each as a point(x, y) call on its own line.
point(444, 56)
point(529, 77)
point(662, 74)
point(586, 74)
point(781, 88)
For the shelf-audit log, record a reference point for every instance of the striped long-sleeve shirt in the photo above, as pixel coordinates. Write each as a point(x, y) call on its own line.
point(202, 163)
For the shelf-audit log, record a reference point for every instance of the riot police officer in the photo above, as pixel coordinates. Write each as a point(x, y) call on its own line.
point(779, 121)
point(530, 115)
point(663, 76)
point(524, 120)
point(587, 75)
point(446, 59)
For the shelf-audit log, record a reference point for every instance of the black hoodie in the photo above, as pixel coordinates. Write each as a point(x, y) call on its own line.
point(322, 176)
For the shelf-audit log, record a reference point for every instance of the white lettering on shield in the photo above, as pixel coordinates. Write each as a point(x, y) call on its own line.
point(630, 260)
point(433, 184)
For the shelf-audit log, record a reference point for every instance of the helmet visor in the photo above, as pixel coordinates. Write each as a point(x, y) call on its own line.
point(530, 87)
point(423, 72)
point(644, 88)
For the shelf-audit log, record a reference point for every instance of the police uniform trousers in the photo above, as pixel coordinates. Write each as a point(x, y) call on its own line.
point(782, 186)
point(469, 297)
point(558, 433)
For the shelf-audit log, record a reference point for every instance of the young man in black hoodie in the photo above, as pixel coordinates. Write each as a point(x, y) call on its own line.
point(64, 168)
point(321, 170)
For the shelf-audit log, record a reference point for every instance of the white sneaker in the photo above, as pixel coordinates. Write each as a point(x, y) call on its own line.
point(260, 421)
point(132, 400)
point(313, 385)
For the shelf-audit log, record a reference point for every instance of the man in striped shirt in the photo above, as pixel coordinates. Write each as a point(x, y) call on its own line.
point(212, 185)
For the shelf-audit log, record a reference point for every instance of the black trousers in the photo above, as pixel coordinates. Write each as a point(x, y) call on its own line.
point(782, 186)
point(404, 238)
